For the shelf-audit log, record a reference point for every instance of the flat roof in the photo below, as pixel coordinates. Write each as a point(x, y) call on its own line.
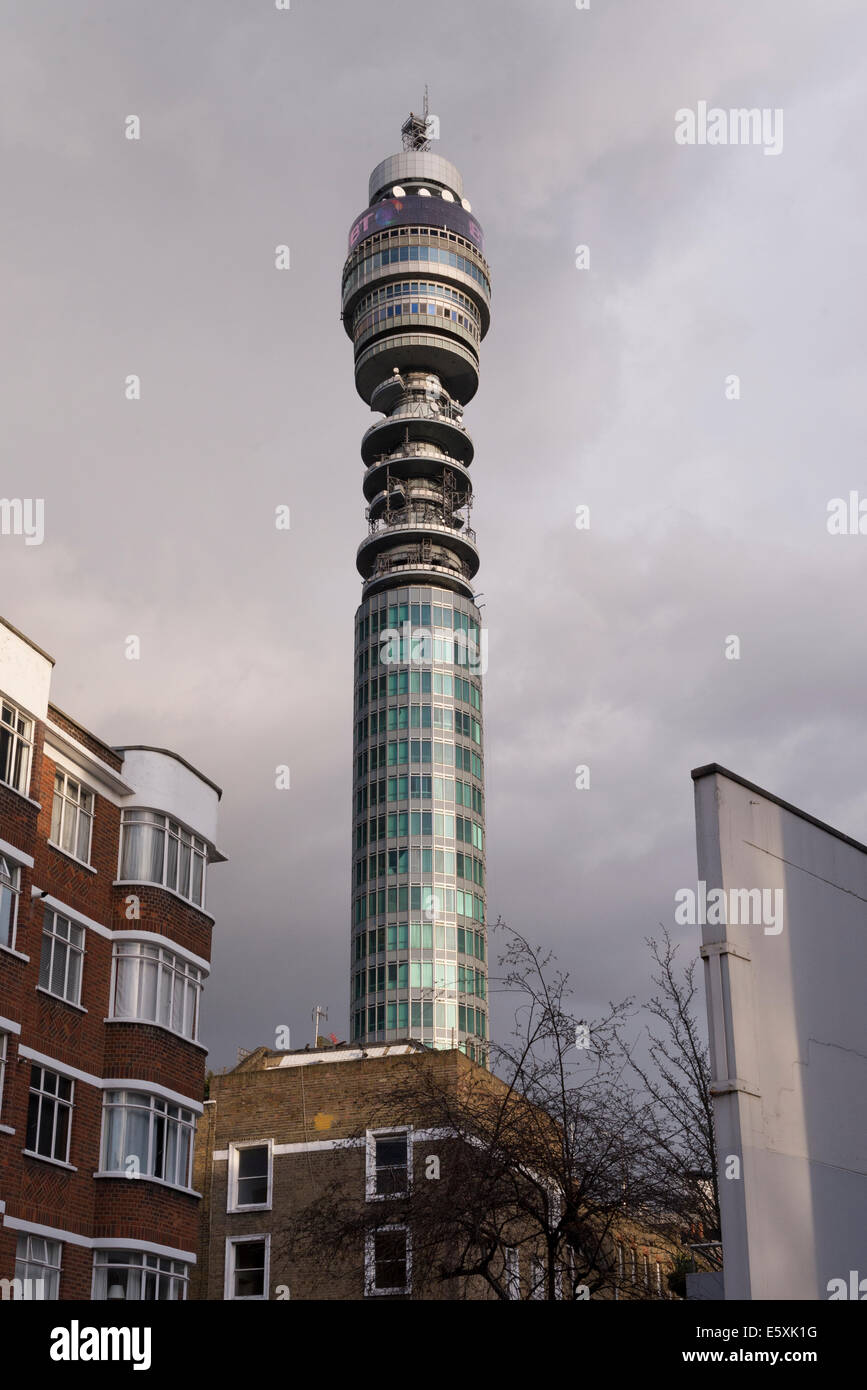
point(272, 1059)
point(710, 768)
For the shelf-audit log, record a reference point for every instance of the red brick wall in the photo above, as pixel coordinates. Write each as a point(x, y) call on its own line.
point(42, 1192)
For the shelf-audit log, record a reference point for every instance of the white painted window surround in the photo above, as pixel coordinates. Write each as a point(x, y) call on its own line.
point(238, 1180)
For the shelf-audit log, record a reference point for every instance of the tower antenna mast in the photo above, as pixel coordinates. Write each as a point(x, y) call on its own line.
point(414, 129)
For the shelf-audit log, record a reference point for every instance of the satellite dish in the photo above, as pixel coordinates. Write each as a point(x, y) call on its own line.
point(398, 192)
point(466, 205)
point(449, 197)
point(424, 192)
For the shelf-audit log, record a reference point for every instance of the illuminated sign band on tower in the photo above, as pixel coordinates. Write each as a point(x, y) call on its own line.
point(407, 212)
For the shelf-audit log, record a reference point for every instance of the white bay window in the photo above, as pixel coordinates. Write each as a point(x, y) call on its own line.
point(156, 849)
point(155, 985)
point(146, 1136)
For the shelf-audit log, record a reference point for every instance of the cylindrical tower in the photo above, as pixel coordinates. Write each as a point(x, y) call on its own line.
point(416, 304)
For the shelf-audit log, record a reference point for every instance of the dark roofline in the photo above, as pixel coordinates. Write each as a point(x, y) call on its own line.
point(24, 638)
point(122, 748)
point(76, 723)
point(710, 768)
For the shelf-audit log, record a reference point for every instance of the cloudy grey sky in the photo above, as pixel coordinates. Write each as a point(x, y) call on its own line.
point(603, 386)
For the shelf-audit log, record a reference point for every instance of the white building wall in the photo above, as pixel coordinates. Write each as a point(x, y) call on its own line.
point(25, 672)
point(162, 783)
point(788, 1029)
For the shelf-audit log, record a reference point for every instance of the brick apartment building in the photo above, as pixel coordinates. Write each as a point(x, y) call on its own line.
point(279, 1129)
point(350, 1125)
point(104, 949)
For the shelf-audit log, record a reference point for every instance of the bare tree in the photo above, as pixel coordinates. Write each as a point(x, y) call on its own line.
point(673, 1108)
point(539, 1170)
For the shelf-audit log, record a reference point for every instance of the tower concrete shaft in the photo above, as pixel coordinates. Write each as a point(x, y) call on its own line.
point(416, 304)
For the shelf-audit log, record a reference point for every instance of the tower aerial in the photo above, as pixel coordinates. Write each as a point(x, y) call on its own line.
point(416, 304)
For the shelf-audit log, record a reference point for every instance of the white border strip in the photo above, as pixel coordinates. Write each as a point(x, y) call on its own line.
point(17, 1223)
point(155, 938)
point(9, 1025)
point(423, 1136)
point(281, 1150)
point(59, 906)
point(63, 1067)
point(58, 741)
point(17, 854)
point(124, 1083)
point(127, 1083)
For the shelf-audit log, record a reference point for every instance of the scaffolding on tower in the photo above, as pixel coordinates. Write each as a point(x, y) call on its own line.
point(414, 129)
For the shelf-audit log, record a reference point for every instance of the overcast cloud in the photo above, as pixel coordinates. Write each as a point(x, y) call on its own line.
point(603, 386)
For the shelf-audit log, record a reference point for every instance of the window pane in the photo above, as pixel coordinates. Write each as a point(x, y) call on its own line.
point(252, 1176)
point(198, 866)
point(67, 838)
point(148, 983)
point(250, 1269)
point(112, 1148)
point(177, 1022)
point(125, 987)
point(58, 967)
point(172, 862)
point(391, 1165)
point(184, 871)
point(73, 982)
point(56, 811)
point(136, 1138)
point(32, 1123)
point(83, 836)
point(390, 1256)
point(61, 1131)
point(45, 962)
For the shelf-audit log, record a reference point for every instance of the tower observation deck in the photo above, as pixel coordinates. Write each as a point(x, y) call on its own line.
point(416, 304)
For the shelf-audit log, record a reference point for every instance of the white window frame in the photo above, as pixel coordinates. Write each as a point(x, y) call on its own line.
point(232, 1203)
point(620, 1272)
point(659, 1279)
point(13, 888)
point(18, 737)
point(229, 1282)
point(156, 1107)
point(370, 1288)
point(27, 1259)
point(180, 972)
point(76, 947)
point(146, 1263)
point(4, 1045)
point(646, 1269)
point(169, 828)
point(512, 1271)
point(58, 1101)
point(68, 806)
point(370, 1162)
